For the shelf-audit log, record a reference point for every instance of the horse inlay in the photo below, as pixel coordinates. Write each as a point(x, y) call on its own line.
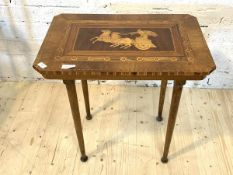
point(116, 39)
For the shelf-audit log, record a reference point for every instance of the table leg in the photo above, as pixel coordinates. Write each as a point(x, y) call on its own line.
point(71, 90)
point(161, 99)
point(86, 99)
point(176, 94)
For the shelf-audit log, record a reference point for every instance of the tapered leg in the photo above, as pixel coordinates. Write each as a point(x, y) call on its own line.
point(71, 90)
point(86, 99)
point(176, 94)
point(161, 99)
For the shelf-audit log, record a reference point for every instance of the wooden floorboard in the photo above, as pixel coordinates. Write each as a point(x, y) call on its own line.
point(37, 134)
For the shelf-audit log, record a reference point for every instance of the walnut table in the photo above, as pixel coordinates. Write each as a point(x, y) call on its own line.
point(124, 47)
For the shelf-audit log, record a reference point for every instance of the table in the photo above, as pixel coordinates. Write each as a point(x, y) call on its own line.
point(124, 47)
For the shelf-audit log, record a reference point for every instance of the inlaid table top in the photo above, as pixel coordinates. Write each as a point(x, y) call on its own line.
point(157, 46)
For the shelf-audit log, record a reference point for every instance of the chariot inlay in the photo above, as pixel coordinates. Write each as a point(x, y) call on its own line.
point(124, 39)
point(116, 39)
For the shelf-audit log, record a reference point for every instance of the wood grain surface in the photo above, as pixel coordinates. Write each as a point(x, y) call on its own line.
point(37, 134)
point(125, 47)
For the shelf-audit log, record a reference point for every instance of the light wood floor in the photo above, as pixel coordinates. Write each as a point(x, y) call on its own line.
point(37, 135)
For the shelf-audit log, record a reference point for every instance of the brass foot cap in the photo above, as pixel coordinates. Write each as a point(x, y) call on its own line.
point(159, 118)
point(164, 160)
point(89, 117)
point(84, 158)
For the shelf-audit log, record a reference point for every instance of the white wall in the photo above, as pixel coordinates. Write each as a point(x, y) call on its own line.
point(23, 25)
